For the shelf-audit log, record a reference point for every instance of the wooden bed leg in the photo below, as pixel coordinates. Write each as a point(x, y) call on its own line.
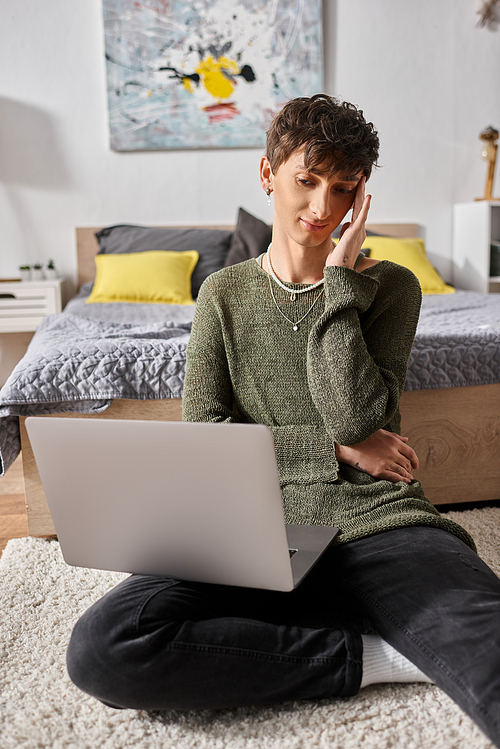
point(39, 519)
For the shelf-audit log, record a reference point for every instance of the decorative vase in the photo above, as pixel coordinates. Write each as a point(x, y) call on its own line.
point(37, 274)
point(51, 274)
point(25, 274)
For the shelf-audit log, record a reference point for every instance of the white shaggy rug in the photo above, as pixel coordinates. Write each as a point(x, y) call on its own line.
point(41, 598)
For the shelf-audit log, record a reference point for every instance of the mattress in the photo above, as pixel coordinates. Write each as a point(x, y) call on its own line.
point(83, 358)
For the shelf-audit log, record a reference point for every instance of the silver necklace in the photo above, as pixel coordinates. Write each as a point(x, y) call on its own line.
point(293, 292)
point(294, 323)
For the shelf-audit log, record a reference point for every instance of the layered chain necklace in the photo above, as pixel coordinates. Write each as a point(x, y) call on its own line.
point(293, 292)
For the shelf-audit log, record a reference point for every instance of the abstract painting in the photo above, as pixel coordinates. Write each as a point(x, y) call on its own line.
point(206, 73)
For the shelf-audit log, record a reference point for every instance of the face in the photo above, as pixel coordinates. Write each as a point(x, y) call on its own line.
point(309, 204)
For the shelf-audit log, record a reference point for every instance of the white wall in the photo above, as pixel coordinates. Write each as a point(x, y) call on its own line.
point(430, 81)
point(420, 69)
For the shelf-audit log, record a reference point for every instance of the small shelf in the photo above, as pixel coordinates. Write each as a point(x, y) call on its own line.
point(476, 227)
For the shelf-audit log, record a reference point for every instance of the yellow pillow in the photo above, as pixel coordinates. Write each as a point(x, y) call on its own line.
point(410, 253)
point(155, 276)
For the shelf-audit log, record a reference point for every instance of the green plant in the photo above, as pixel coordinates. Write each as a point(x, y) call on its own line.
point(37, 266)
point(24, 267)
point(51, 265)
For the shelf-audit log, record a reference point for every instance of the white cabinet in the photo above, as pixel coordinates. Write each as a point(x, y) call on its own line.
point(475, 227)
point(24, 304)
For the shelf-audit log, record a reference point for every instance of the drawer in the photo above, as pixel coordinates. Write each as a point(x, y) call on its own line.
point(20, 324)
point(24, 305)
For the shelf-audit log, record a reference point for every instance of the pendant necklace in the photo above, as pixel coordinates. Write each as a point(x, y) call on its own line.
point(293, 292)
point(294, 323)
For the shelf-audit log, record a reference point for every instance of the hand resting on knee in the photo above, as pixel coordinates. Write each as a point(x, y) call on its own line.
point(384, 455)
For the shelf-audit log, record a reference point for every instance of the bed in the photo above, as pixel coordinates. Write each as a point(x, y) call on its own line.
point(450, 408)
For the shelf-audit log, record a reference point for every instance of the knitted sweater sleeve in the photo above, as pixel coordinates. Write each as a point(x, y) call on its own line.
point(359, 348)
point(207, 393)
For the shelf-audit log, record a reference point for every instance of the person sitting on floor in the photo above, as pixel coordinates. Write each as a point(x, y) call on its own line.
point(313, 340)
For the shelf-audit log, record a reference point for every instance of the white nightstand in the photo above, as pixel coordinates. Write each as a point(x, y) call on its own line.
point(24, 304)
point(475, 226)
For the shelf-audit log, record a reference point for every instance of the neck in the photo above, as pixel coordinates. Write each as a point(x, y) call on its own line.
point(298, 264)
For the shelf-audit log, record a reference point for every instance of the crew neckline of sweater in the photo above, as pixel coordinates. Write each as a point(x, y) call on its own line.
point(260, 259)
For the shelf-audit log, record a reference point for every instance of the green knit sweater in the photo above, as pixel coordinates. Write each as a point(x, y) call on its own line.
point(338, 378)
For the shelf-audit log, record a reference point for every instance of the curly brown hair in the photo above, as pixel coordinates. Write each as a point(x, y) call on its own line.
point(334, 132)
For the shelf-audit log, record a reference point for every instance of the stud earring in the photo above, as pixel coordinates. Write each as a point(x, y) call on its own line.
point(268, 193)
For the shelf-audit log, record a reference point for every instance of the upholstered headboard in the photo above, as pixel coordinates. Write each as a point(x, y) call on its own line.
point(87, 246)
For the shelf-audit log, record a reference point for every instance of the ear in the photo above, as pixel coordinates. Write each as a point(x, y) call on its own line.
point(266, 174)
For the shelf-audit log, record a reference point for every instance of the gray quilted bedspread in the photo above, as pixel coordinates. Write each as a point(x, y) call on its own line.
point(79, 364)
point(457, 342)
point(82, 359)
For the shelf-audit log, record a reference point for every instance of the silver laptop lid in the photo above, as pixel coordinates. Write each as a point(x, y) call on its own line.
point(193, 501)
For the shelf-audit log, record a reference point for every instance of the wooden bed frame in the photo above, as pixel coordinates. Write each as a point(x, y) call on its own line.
point(455, 431)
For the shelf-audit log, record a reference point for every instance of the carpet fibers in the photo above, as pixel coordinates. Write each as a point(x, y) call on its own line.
point(41, 598)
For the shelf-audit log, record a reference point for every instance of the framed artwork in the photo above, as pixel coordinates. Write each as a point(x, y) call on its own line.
point(206, 73)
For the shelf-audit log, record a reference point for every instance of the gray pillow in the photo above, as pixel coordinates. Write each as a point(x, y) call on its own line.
point(250, 238)
point(211, 244)
point(369, 233)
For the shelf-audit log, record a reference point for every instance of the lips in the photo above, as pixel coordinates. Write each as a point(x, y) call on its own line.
point(312, 227)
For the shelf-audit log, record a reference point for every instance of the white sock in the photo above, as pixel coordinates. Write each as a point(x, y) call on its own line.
point(381, 663)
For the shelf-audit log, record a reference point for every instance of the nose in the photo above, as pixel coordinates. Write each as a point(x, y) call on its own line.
point(320, 203)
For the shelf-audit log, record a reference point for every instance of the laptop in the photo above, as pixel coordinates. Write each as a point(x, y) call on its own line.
point(193, 501)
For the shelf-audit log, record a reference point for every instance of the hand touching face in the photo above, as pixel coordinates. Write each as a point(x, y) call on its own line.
point(353, 233)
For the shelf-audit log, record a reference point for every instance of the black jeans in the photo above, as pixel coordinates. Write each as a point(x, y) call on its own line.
point(156, 643)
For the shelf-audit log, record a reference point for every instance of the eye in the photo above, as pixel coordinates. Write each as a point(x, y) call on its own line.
point(304, 181)
point(344, 191)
